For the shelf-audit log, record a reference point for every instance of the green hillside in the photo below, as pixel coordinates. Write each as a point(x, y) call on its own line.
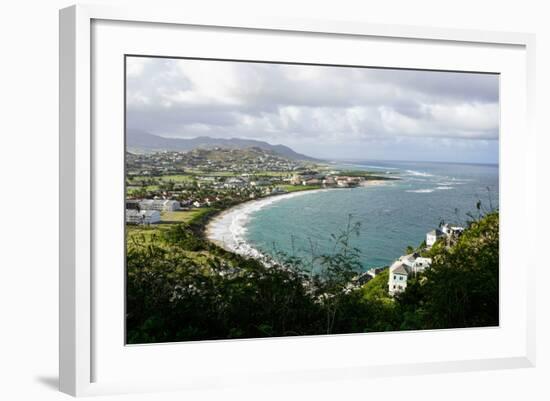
point(181, 287)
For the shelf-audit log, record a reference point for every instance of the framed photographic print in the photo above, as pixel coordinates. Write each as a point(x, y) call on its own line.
point(278, 200)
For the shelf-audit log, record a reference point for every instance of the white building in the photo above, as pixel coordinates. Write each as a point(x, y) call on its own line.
point(404, 267)
point(170, 205)
point(375, 271)
point(235, 182)
point(452, 230)
point(397, 281)
point(447, 231)
point(146, 217)
point(260, 183)
point(433, 236)
point(162, 205)
point(421, 264)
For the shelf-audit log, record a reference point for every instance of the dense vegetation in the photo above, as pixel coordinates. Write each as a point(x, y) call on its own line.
point(181, 287)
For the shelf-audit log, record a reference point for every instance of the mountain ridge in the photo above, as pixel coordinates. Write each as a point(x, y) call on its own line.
point(140, 140)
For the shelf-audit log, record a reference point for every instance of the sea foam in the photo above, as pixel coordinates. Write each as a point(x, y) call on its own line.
point(421, 191)
point(228, 230)
point(419, 173)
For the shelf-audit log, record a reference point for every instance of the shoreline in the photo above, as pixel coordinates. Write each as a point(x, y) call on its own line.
point(228, 228)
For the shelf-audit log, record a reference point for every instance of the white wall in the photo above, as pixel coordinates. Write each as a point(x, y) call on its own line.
point(28, 285)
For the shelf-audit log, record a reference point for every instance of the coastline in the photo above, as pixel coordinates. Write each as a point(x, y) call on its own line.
point(227, 229)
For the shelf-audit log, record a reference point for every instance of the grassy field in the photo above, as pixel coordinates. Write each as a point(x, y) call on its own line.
point(132, 190)
point(296, 188)
point(146, 233)
point(183, 216)
point(165, 178)
point(194, 174)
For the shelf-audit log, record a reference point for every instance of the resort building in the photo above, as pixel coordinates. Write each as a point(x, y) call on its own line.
point(162, 205)
point(260, 183)
point(311, 181)
point(145, 217)
point(132, 204)
point(235, 182)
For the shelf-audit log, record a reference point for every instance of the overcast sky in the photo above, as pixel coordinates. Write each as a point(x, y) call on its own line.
point(328, 112)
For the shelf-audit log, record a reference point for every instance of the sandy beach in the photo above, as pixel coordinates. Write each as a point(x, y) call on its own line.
point(228, 229)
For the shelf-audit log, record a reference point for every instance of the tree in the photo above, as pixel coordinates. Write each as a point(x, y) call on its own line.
point(337, 270)
point(461, 287)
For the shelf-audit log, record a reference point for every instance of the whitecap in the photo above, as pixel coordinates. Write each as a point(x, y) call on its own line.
point(228, 230)
point(421, 191)
point(419, 173)
point(371, 166)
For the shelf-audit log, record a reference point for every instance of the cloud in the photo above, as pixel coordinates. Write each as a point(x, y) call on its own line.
point(308, 106)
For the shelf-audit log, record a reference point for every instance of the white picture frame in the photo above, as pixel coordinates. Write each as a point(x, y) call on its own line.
point(81, 347)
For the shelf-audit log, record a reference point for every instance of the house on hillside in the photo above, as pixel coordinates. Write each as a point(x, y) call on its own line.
point(144, 217)
point(397, 281)
point(433, 236)
point(420, 264)
point(375, 271)
point(403, 268)
point(415, 263)
point(452, 230)
point(450, 233)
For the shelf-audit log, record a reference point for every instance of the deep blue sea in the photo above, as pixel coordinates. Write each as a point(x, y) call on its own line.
point(392, 216)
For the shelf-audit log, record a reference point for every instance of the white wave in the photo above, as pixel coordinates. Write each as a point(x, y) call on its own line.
point(228, 230)
point(443, 187)
point(419, 173)
point(421, 191)
point(373, 166)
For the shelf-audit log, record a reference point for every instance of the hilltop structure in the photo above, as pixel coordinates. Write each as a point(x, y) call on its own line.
point(449, 233)
point(412, 264)
point(404, 267)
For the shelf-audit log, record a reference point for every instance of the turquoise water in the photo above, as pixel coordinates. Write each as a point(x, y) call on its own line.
point(392, 216)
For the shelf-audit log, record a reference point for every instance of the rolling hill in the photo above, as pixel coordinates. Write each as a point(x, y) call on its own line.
point(144, 142)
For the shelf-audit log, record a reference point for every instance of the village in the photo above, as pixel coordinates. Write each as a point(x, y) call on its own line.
point(165, 185)
point(159, 184)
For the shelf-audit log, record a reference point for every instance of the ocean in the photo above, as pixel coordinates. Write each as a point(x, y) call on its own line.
point(392, 215)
